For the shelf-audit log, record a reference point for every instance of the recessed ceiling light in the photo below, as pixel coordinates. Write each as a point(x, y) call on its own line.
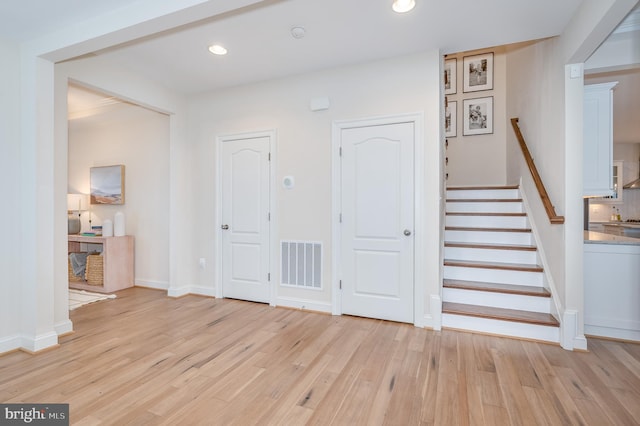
point(216, 49)
point(402, 6)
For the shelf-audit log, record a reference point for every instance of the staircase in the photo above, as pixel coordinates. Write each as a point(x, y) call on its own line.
point(493, 282)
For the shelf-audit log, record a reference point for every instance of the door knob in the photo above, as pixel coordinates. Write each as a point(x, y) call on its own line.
point(407, 232)
point(225, 227)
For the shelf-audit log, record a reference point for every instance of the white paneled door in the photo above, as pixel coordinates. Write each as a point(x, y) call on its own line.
point(245, 218)
point(377, 202)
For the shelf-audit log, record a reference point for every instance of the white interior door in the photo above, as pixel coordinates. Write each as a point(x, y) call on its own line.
point(377, 199)
point(245, 218)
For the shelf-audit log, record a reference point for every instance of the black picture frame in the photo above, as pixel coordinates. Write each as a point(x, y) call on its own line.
point(477, 116)
point(477, 72)
point(451, 119)
point(450, 76)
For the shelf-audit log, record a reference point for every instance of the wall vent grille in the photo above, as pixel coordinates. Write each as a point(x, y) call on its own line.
point(301, 264)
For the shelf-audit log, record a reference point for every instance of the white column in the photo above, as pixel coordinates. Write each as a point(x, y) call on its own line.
point(37, 204)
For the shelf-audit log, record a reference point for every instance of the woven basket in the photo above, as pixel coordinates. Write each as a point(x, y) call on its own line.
point(73, 277)
point(95, 267)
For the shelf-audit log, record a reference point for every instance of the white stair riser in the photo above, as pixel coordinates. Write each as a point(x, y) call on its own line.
point(501, 194)
point(497, 300)
point(488, 221)
point(504, 328)
point(485, 207)
point(489, 237)
point(494, 276)
point(489, 255)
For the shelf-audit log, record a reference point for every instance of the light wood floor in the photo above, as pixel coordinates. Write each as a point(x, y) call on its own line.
point(144, 358)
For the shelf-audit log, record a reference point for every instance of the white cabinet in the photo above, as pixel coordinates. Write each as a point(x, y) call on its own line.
point(616, 196)
point(598, 140)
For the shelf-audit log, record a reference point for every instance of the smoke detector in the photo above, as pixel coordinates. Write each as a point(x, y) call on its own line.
point(298, 32)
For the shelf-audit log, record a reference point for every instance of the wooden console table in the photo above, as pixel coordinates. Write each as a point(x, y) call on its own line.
point(117, 255)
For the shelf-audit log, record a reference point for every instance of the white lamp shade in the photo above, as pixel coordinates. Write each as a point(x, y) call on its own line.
point(77, 202)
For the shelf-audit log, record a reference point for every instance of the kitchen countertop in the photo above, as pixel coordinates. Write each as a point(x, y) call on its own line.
point(591, 237)
point(634, 225)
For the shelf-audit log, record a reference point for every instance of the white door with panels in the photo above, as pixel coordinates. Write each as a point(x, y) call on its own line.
point(377, 214)
point(244, 233)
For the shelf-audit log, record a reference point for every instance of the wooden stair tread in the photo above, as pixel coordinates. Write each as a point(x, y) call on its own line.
point(493, 265)
point(513, 315)
point(484, 200)
point(477, 188)
point(491, 246)
point(525, 290)
point(474, 228)
point(485, 214)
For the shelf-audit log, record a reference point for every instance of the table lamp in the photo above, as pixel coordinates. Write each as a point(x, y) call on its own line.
point(76, 204)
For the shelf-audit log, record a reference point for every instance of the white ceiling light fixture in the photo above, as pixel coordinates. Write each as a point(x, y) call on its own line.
point(403, 6)
point(216, 49)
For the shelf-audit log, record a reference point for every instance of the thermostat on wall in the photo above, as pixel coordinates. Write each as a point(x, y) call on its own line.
point(288, 182)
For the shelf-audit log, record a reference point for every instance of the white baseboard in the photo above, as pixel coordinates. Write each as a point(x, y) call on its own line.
point(612, 333)
point(303, 304)
point(569, 337)
point(178, 292)
point(39, 342)
point(63, 327)
point(9, 343)
point(159, 285)
point(203, 291)
point(433, 319)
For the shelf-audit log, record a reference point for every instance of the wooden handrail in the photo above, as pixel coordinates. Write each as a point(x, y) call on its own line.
point(551, 212)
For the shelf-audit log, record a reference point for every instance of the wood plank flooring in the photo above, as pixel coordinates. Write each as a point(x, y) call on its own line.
point(146, 359)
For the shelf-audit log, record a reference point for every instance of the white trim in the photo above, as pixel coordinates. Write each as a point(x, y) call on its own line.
point(39, 342)
point(158, 285)
point(273, 228)
point(612, 332)
point(202, 291)
point(63, 327)
point(569, 338)
point(433, 320)
point(417, 118)
point(556, 308)
point(179, 291)
point(304, 304)
point(10, 343)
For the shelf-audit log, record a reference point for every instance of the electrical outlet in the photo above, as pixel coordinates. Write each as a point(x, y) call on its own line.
point(202, 262)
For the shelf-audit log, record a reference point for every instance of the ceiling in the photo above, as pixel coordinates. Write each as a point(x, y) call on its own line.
point(261, 47)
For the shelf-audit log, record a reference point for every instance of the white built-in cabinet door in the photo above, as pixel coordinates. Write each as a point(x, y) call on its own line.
point(598, 140)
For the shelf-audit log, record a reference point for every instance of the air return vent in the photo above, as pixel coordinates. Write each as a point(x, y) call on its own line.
point(301, 263)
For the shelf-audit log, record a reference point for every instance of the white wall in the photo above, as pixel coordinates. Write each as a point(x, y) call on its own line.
point(401, 85)
point(535, 96)
point(480, 159)
point(9, 214)
point(138, 138)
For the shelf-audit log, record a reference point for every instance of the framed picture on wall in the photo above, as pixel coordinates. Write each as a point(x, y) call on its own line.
point(450, 76)
point(477, 116)
point(107, 185)
point(451, 119)
point(477, 72)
